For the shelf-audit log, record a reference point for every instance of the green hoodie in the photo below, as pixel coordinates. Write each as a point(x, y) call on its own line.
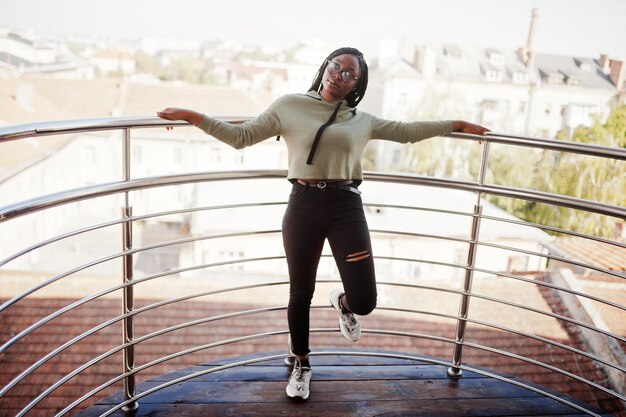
point(297, 117)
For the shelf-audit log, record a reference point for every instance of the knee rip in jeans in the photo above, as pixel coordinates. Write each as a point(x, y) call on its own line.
point(358, 256)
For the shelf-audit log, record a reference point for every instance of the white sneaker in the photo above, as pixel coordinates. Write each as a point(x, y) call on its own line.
point(298, 386)
point(348, 323)
point(291, 359)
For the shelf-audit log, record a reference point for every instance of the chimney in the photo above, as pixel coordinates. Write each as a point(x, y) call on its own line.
point(529, 53)
point(605, 63)
point(417, 59)
point(617, 73)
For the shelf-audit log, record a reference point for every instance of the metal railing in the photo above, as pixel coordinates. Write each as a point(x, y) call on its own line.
point(611, 363)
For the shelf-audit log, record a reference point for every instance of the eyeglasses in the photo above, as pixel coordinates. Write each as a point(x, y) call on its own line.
point(346, 76)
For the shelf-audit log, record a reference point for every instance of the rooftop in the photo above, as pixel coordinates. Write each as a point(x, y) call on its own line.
point(87, 316)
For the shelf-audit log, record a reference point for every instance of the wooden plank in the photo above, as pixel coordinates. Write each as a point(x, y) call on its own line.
point(320, 359)
point(342, 386)
point(425, 408)
point(387, 390)
point(320, 373)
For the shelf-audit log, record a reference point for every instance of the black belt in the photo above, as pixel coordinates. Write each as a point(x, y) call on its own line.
point(343, 185)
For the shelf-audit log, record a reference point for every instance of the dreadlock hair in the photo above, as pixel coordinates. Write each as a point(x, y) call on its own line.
point(355, 96)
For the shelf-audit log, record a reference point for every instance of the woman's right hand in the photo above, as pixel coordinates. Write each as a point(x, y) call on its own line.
point(174, 113)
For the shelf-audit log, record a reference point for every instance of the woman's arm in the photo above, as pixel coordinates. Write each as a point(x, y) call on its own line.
point(237, 136)
point(411, 132)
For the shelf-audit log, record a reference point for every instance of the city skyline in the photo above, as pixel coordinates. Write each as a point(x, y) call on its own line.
point(577, 28)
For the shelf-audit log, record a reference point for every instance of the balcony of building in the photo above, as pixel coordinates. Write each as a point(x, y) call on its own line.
point(175, 303)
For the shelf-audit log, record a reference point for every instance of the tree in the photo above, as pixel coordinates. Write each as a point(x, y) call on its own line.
point(585, 177)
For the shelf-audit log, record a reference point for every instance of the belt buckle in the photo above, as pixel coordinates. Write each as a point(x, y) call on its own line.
point(321, 184)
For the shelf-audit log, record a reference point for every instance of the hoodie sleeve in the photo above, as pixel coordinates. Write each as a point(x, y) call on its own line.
point(264, 126)
point(408, 132)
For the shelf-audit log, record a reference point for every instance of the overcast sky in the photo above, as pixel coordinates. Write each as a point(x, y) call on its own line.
point(565, 27)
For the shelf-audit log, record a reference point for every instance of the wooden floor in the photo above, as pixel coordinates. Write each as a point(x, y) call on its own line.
point(342, 385)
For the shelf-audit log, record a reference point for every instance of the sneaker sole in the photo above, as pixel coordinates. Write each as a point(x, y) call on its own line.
point(298, 397)
point(341, 327)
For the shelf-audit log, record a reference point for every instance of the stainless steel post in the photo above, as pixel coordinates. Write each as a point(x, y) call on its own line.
point(455, 370)
point(128, 301)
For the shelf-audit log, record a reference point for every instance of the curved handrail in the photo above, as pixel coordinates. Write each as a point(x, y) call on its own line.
point(83, 193)
point(125, 124)
point(20, 131)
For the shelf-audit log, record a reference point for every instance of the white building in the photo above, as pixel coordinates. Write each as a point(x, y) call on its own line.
point(23, 53)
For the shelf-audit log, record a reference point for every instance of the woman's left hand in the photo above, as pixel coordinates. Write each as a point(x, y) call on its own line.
point(463, 126)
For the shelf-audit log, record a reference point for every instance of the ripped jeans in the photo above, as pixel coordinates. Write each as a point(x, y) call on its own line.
point(312, 216)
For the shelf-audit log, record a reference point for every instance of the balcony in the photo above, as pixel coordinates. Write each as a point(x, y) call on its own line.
point(479, 313)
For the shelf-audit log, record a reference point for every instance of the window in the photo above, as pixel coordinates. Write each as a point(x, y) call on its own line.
point(493, 75)
point(517, 264)
point(519, 78)
point(548, 108)
point(496, 59)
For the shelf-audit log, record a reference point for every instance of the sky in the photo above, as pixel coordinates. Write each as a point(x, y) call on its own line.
point(584, 28)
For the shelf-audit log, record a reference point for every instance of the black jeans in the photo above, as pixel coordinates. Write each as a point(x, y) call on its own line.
point(312, 216)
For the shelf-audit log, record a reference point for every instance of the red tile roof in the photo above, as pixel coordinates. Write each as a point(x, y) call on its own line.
point(595, 253)
point(34, 346)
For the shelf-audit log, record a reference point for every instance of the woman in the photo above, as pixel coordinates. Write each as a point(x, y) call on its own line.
point(325, 137)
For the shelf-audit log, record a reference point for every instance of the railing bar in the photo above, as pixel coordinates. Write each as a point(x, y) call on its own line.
point(118, 287)
point(99, 190)
point(511, 304)
point(553, 315)
point(556, 229)
point(78, 338)
point(425, 235)
point(509, 248)
point(548, 341)
point(234, 340)
point(120, 254)
point(550, 144)
point(166, 213)
point(207, 208)
point(145, 366)
point(89, 332)
point(22, 131)
point(49, 281)
point(507, 329)
point(205, 237)
point(64, 197)
point(513, 249)
point(239, 314)
point(80, 125)
point(45, 320)
point(274, 357)
point(546, 366)
point(60, 237)
point(532, 195)
point(501, 219)
point(105, 355)
point(134, 218)
point(554, 257)
point(553, 286)
point(419, 208)
point(507, 275)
